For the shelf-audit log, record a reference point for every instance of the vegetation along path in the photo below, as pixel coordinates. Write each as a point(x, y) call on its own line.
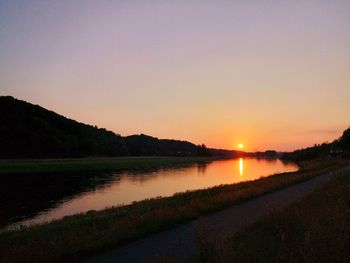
point(180, 243)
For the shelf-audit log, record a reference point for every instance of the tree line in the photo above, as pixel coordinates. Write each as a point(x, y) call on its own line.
point(339, 147)
point(30, 131)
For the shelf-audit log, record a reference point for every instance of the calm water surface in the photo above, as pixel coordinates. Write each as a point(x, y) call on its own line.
point(124, 188)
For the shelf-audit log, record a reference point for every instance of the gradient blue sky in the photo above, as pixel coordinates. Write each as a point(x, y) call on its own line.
point(269, 74)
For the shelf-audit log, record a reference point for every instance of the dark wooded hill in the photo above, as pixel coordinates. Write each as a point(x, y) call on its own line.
point(30, 131)
point(339, 147)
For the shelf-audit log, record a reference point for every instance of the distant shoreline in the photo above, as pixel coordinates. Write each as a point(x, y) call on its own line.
point(96, 164)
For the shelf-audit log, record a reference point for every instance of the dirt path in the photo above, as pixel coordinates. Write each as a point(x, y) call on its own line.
point(180, 242)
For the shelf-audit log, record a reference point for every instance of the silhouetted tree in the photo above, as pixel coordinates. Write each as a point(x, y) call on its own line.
point(202, 150)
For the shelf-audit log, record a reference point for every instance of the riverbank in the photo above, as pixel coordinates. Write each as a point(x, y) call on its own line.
point(315, 229)
point(76, 237)
point(97, 164)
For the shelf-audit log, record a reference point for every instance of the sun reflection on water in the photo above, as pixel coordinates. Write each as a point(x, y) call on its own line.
point(241, 167)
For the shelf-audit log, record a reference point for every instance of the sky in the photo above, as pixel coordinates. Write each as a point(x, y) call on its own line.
point(269, 74)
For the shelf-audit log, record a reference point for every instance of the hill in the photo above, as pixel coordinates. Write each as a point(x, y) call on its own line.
point(339, 147)
point(31, 131)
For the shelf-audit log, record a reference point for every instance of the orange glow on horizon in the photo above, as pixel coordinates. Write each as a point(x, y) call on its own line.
point(225, 76)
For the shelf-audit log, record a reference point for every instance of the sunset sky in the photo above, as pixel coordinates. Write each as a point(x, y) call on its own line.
point(267, 74)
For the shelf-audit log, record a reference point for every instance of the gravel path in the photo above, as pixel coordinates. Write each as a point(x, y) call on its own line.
point(180, 242)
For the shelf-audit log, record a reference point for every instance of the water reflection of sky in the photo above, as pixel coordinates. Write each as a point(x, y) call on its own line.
point(124, 188)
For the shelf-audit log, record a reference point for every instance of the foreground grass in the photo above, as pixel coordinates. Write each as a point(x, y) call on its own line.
point(93, 164)
point(76, 237)
point(315, 229)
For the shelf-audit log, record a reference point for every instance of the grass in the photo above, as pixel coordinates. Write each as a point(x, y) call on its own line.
point(76, 237)
point(315, 229)
point(93, 164)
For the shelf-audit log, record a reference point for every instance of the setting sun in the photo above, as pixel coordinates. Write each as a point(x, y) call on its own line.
point(240, 146)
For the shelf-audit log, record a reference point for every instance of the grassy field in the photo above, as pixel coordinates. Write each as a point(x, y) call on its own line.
point(315, 229)
point(76, 237)
point(93, 164)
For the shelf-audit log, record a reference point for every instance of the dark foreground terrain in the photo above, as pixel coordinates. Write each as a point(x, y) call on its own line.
point(315, 229)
